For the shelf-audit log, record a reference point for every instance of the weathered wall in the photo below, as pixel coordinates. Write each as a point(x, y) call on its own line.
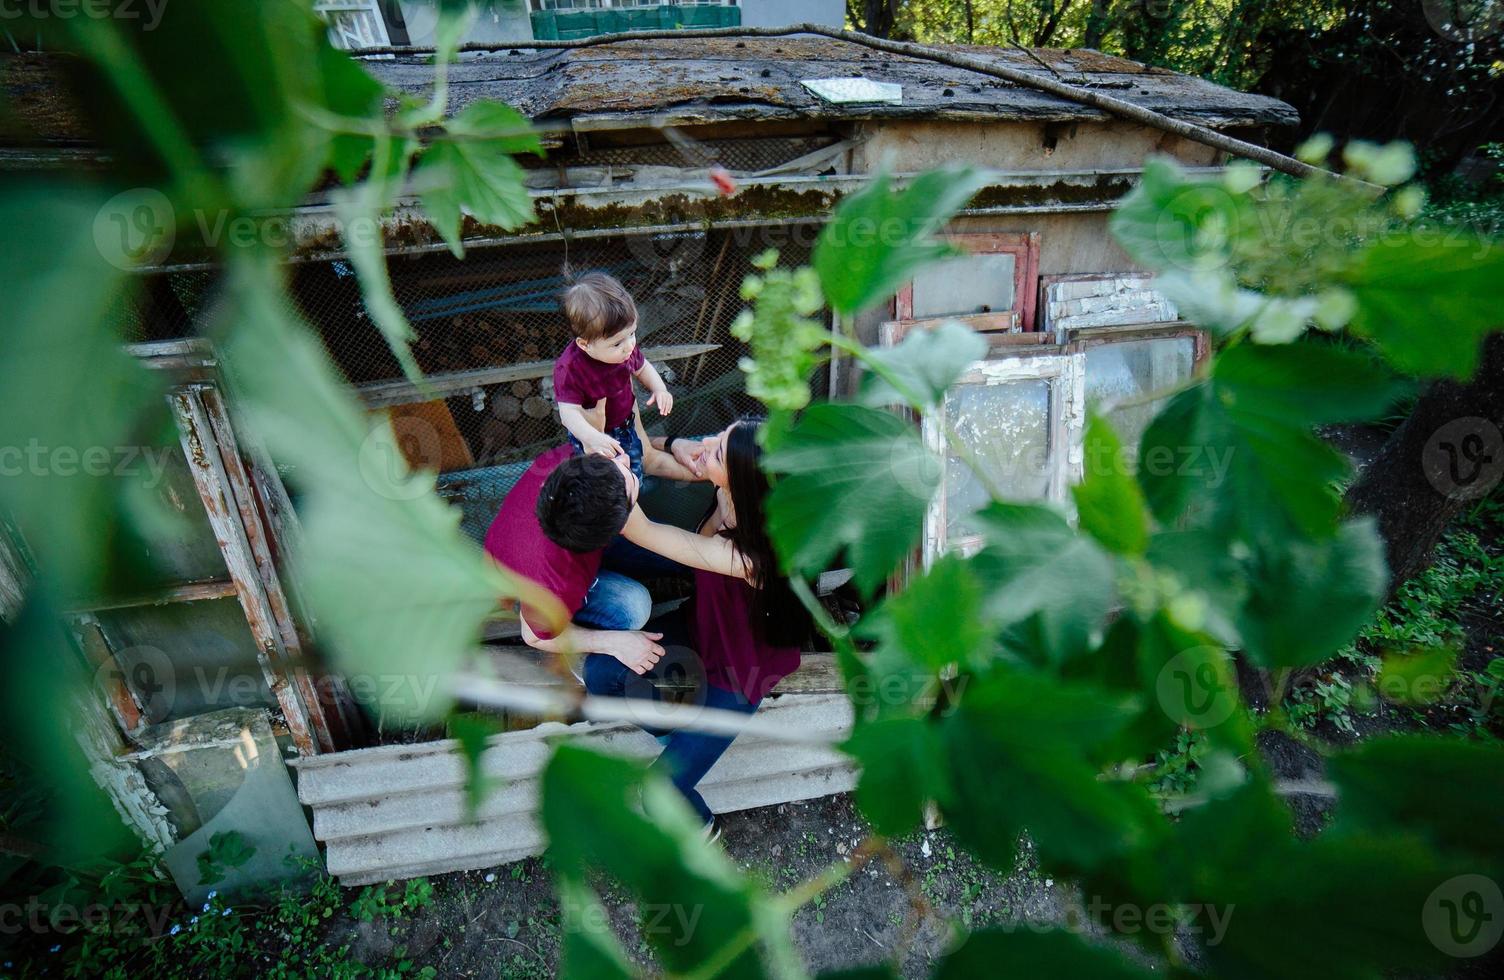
point(921, 145)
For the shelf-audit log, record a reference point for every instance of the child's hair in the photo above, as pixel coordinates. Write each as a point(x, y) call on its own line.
point(597, 306)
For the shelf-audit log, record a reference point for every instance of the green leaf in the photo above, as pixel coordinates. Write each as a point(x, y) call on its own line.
point(1006, 776)
point(1173, 221)
point(1203, 568)
point(878, 239)
point(937, 618)
point(1306, 384)
point(1310, 598)
point(1448, 790)
point(590, 948)
point(1033, 953)
point(697, 899)
point(1428, 301)
point(473, 731)
point(1418, 677)
point(925, 365)
point(1226, 454)
point(902, 767)
point(1109, 505)
point(1035, 565)
point(849, 477)
point(503, 127)
point(475, 177)
point(359, 212)
point(401, 626)
point(350, 91)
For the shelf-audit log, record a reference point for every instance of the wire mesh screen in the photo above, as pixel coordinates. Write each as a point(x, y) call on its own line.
point(488, 330)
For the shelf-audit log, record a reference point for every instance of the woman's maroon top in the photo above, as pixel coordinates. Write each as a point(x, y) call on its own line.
point(720, 620)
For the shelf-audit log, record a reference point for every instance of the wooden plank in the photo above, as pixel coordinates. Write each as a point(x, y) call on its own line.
point(108, 678)
point(192, 592)
point(818, 673)
point(258, 539)
point(383, 394)
point(209, 476)
point(428, 437)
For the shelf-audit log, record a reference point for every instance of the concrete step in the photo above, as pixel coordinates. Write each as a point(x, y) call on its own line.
point(398, 811)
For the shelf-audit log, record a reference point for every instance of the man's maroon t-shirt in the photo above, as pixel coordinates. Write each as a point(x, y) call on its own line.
point(580, 379)
point(517, 541)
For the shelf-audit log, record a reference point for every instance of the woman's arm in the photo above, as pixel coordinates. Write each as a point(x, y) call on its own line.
point(714, 554)
point(656, 462)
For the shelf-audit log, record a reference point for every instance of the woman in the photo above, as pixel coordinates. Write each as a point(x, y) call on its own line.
point(747, 629)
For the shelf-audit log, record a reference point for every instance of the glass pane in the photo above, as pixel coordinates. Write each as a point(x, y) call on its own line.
point(1007, 427)
point(964, 286)
point(1122, 372)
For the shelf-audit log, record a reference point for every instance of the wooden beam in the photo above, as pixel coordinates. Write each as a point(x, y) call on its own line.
point(209, 476)
point(192, 592)
point(818, 673)
point(386, 393)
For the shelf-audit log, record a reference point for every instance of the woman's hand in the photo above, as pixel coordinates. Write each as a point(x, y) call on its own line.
point(689, 452)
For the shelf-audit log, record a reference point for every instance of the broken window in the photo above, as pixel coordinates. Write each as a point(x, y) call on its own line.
point(991, 289)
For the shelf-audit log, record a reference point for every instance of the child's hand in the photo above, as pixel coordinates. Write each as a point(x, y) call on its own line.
point(599, 442)
point(662, 401)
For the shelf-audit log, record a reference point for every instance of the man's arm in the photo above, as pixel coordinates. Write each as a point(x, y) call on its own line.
point(635, 648)
point(712, 554)
point(656, 462)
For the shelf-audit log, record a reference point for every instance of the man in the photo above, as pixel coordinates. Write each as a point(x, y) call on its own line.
point(553, 529)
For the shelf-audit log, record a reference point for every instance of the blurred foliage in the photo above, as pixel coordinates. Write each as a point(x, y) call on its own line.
point(1040, 670)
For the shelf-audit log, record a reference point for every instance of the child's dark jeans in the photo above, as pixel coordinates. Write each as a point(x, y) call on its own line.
point(626, 435)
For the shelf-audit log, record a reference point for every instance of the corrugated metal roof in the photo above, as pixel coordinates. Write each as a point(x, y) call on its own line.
point(398, 811)
point(726, 78)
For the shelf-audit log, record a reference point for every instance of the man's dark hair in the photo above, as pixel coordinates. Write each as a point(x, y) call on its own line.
point(583, 504)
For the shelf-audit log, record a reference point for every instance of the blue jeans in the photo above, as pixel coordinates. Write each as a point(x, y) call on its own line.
point(687, 755)
point(615, 602)
point(626, 434)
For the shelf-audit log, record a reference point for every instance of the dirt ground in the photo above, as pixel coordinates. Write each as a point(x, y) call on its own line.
point(504, 922)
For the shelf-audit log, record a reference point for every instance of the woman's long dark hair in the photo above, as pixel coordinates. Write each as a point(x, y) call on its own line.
point(778, 616)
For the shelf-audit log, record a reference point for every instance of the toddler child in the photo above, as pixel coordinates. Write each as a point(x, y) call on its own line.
point(594, 373)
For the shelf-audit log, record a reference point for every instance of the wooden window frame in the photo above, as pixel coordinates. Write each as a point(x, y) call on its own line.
point(1064, 369)
point(1024, 246)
